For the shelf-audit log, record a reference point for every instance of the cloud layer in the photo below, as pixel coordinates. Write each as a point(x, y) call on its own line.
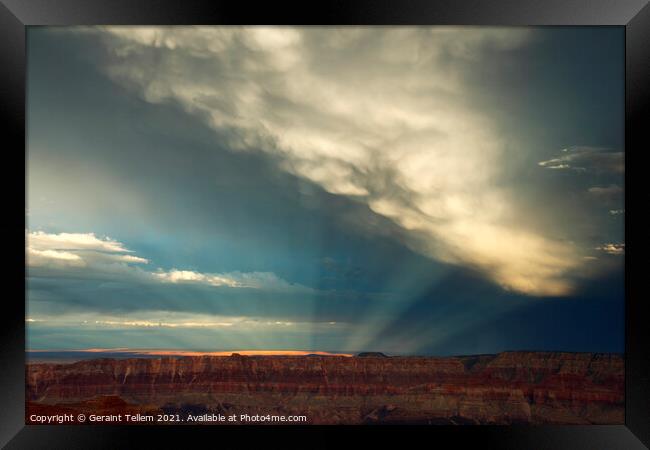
point(378, 115)
point(87, 256)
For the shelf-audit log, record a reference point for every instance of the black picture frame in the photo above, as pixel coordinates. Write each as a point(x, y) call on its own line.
point(633, 15)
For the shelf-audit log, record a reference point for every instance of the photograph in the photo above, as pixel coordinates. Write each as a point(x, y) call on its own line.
point(325, 225)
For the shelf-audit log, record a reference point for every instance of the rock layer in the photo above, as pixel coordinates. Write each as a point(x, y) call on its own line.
point(511, 387)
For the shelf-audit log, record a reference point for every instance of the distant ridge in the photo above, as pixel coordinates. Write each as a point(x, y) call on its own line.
point(371, 355)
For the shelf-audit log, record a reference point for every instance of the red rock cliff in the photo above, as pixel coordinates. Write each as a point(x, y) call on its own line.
point(511, 387)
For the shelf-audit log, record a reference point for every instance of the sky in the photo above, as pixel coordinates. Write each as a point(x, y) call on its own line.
point(410, 190)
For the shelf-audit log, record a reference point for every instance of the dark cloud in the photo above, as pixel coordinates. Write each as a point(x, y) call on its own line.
point(587, 159)
point(607, 193)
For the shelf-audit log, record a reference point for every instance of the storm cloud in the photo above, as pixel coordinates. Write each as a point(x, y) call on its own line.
point(312, 175)
point(373, 114)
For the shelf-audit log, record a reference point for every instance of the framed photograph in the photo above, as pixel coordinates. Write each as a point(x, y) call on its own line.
point(296, 223)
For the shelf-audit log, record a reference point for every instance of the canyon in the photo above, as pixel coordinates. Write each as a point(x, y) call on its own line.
point(506, 388)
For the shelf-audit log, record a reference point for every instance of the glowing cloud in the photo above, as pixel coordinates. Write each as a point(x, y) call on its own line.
point(186, 276)
point(161, 319)
point(75, 250)
point(73, 241)
point(612, 248)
